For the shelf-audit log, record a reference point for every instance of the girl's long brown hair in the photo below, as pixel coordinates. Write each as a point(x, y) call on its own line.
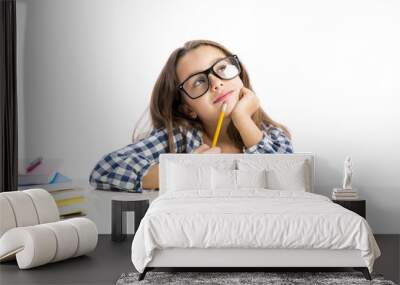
point(165, 100)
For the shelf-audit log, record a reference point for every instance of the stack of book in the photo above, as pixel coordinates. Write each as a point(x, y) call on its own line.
point(70, 198)
point(344, 194)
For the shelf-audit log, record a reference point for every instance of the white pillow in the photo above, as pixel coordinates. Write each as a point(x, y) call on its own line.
point(229, 179)
point(224, 179)
point(251, 178)
point(291, 177)
point(183, 177)
point(282, 173)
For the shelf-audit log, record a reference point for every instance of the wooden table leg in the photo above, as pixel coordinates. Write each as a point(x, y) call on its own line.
point(140, 208)
point(118, 221)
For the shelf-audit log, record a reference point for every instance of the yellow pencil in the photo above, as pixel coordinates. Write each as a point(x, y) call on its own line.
point(221, 118)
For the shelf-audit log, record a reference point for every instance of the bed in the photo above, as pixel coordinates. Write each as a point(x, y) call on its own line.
point(245, 211)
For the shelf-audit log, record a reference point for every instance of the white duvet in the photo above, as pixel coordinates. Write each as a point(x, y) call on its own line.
point(250, 218)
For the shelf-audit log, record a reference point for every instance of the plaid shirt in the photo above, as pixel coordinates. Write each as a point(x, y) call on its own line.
point(123, 169)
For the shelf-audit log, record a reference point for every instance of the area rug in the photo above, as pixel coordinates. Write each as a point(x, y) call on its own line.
point(269, 278)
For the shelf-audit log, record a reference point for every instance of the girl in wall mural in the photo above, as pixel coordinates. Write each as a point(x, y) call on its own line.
point(184, 108)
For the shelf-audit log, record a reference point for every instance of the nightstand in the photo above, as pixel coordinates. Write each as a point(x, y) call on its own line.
point(134, 202)
point(357, 206)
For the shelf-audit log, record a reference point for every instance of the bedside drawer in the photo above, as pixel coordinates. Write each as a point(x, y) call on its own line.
point(357, 206)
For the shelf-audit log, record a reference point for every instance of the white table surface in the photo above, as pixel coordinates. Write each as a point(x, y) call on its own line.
point(99, 205)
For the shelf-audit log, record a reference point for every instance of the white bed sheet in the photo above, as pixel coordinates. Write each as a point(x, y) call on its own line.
point(250, 218)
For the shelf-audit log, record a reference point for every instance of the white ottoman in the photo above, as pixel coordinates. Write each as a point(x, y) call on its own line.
point(31, 232)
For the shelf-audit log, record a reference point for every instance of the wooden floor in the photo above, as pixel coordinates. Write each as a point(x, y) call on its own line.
point(111, 259)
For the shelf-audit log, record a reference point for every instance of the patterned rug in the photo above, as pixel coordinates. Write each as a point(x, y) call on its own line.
point(270, 278)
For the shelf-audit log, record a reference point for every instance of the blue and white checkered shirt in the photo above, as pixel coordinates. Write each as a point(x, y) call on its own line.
point(123, 169)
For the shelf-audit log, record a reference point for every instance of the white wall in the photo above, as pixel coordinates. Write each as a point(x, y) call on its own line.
point(328, 70)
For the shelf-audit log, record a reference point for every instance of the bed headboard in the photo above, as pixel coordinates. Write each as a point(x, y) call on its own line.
point(235, 161)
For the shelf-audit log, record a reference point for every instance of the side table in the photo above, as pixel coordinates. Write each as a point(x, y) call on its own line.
point(136, 202)
point(357, 206)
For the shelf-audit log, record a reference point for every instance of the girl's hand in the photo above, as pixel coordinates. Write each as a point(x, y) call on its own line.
point(204, 148)
point(247, 105)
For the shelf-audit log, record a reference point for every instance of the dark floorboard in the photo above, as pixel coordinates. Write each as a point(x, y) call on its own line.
point(111, 259)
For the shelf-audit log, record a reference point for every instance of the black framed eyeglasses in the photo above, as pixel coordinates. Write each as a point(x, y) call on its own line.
point(198, 84)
